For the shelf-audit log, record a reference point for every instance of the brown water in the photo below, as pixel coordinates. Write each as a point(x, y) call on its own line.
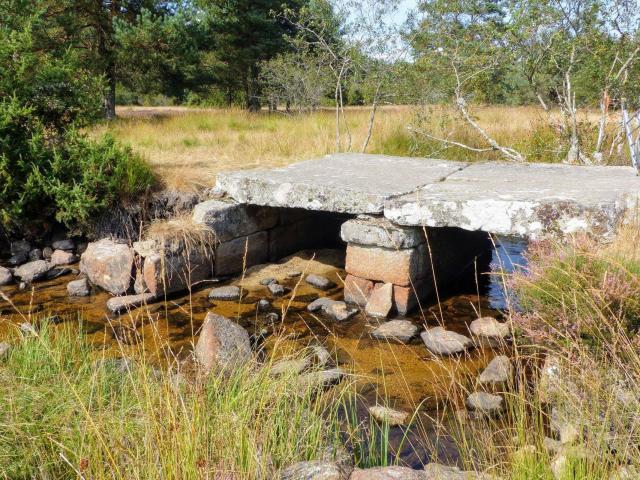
point(405, 376)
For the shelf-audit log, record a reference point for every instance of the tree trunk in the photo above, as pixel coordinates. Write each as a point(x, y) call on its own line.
point(110, 98)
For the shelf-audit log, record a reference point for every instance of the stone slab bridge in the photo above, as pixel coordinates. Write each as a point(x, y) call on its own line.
point(414, 223)
point(420, 222)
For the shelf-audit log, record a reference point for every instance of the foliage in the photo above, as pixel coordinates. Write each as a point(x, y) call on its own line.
point(62, 176)
point(66, 409)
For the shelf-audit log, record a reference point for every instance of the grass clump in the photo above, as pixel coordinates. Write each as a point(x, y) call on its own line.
point(66, 412)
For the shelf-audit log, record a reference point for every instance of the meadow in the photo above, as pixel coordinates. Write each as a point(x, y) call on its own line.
point(187, 147)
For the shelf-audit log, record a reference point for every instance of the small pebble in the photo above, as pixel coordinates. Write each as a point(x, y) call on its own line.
point(229, 292)
point(263, 305)
point(276, 289)
point(268, 281)
point(319, 282)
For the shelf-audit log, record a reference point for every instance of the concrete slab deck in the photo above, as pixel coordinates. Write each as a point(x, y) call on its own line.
point(346, 183)
point(528, 200)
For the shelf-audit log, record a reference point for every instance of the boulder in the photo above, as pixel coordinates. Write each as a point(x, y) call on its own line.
point(315, 470)
point(129, 302)
point(36, 254)
point(64, 244)
point(445, 342)
point(78, 288)
point(6, 277)
point(387, 473)
point(63, 257)
point(232, 220)
point(388, 415)
point(320, 282)
point(380, 301)
point(489, 327)
point(228, 292)
point(485, 404)
point(175, 272)
point(397, 330)
point(108, 265)
point(32, 271)
point(499, 370)
point(223, 345)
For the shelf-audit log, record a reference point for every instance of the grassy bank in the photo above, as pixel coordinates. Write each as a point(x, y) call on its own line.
point(187, 147)
point(68, 413)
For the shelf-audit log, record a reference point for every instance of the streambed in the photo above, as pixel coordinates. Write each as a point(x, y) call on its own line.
point(404, 376)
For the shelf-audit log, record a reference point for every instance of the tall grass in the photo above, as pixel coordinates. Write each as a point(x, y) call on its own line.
point(66, 412)
point(188, 147)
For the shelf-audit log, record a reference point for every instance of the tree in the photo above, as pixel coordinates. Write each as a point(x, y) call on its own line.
point(247, 33)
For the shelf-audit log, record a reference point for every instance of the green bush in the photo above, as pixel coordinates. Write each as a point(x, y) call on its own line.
point(48, 176)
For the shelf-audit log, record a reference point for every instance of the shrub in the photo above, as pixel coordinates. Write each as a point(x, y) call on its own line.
point(48, 175)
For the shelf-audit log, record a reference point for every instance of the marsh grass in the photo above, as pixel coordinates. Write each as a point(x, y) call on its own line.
point(188, 147)
point(67, 412)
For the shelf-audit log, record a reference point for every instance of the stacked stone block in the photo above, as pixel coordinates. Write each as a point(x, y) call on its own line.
point(413, 259)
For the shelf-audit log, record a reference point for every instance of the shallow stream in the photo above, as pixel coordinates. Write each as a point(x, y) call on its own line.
point(405, 376)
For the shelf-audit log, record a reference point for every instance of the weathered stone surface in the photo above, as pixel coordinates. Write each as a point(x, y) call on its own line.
point(399, 267)
point(32, 271)
point(315, 470)
point(290, 366)
point(398, 330)
point(349, 183)
point(380, 301)
point(489, 327)
point(320, 282)
point(388, 415)
point(129, 302)
point(5, 349)
point(499, 370)
point(357, 290)
point(406, 298)
point(263, 305)
point(247, 251)
point(485, 403)
point(320, 379)
point(276, 289)
point(232, 220)
point(78, 288)
point(62, 257)
point(108, 265)
point(380, 232)
point(338, 311)
point(6, 277)
point(145, 248)
point(223, 345)
point(47, 252)
point(173, 273)
point(386, 473)
point(36, 254)
point(529, 200)
point(445, 342)
point(437, 471)
point(229, 292)
point(65, 244)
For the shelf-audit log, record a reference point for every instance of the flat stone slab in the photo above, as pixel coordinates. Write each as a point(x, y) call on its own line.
point(345, 182)
point(528, 200)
